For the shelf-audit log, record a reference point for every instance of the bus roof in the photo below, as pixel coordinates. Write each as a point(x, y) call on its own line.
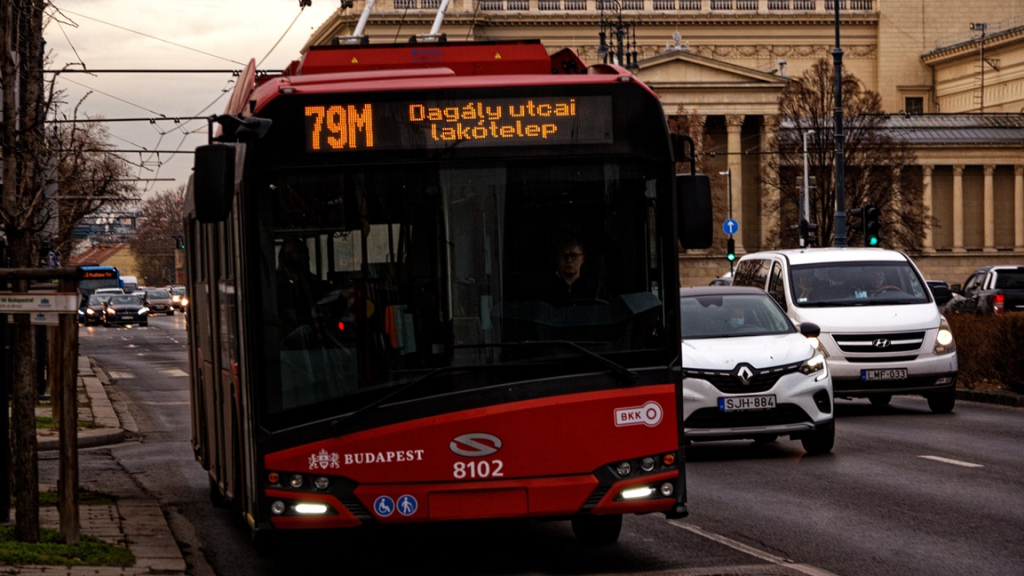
point(412, 66)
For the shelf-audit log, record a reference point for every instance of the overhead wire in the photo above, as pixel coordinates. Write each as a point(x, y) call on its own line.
point(145, 161)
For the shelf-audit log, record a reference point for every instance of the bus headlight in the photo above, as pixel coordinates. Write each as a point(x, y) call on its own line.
point(636, 492)
point(277, 507)
point(310, 508)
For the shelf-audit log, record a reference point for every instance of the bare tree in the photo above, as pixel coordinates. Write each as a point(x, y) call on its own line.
point(40, 168)
point(159, 223)
point(89, 178)
point(879, 168)
point(24, 185)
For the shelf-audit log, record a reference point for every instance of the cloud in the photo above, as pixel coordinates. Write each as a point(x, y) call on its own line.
point(185, 34)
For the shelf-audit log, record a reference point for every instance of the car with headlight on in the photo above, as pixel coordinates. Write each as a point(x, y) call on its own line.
point(91, 311)
point(125, 309)
point(159, 300)
point(749, 373)
point(178, 299)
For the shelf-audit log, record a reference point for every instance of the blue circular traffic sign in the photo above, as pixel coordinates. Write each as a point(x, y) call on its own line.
point(730, 226)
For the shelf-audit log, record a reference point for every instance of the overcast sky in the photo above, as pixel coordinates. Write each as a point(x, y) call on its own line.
point(178, 34)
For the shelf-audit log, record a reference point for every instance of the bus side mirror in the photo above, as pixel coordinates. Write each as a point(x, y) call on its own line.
point(214, 182)
point(693, 210)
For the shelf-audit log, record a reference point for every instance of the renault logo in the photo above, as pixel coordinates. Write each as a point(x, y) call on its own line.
point(881, 343)
point(475, 445)
point(745, 374)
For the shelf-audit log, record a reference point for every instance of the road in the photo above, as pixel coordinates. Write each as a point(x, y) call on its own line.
point(904, 492)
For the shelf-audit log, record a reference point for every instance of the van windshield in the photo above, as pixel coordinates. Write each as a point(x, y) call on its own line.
point(857, 284)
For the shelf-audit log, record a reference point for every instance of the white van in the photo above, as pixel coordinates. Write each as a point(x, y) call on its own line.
point(130, 284)
point(881, 332)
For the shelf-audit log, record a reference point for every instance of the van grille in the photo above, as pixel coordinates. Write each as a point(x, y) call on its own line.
point(879, 343)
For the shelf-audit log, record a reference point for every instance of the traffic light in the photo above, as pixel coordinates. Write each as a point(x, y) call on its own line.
point(808, 232)
point(871, 226)
point(730, 250)
point(179, 242)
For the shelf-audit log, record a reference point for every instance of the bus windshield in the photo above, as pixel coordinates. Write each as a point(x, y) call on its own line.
point(386, 273)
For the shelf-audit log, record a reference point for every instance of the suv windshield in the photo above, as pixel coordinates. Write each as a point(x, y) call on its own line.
point(857, 284)
point(723, 316)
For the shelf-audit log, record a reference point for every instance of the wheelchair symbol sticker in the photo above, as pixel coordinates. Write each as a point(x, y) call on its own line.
point(384, 506)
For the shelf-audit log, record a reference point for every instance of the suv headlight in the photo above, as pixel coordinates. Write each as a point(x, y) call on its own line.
point(814, 364)
point(944, 342)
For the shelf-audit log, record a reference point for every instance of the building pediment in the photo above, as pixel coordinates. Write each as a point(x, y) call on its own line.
point(681, 68)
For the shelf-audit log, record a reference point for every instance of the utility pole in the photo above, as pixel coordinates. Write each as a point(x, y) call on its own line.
point(837, 57)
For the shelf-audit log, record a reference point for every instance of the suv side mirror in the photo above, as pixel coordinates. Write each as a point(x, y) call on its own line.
point(956, 289)
point(810, 329)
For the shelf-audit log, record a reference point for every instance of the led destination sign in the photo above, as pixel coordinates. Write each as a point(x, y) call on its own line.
point(464, 123)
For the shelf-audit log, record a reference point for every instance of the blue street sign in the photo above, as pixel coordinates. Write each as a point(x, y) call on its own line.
point(730, 226)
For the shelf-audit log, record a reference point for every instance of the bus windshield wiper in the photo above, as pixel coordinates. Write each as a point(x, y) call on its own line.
point(351, 416)
point(623, 373)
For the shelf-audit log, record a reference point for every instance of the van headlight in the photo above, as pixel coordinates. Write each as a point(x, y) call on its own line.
point(944, 342)
point(813, 364)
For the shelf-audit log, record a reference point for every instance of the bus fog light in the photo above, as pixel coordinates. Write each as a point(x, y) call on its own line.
point(310, 508)
point(624, 468)
point(321, 483)
point(647, 464)
point(667, 489)
point(277, 507)
point(638, 492)
point(296, 481)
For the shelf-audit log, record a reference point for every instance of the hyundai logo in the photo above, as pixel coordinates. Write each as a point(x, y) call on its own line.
point(881, 343)
point(475, 445)
point(745, 374)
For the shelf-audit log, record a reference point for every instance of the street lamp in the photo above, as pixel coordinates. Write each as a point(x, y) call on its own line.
point(805, 208)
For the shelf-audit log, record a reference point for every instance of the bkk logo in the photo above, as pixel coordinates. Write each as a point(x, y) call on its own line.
point(650, 414)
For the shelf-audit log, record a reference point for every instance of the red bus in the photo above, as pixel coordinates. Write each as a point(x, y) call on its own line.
point(372, 237)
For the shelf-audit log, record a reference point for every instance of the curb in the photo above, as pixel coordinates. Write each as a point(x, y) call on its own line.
point(1000, 398)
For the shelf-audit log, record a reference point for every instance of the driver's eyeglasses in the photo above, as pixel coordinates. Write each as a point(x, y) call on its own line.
point(571, 255)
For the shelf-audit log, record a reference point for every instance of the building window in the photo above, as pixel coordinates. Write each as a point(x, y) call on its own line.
point(913, 105)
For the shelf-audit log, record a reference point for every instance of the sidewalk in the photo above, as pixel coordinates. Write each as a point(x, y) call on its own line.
point(134, 520)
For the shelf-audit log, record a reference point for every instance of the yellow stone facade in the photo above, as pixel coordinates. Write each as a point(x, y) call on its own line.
point(728, 60)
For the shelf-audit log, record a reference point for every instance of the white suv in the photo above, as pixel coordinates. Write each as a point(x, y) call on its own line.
point(880, 328)
point(748, 373)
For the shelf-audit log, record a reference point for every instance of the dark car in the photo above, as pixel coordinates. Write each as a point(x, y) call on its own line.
point(91, 311)
point(159, 300)
point(125, 309)
point(940, 291)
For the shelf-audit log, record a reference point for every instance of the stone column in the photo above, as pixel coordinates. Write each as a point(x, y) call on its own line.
point(926, 185)
point(990, 210)
point(770, 209)
point(1018, 207)
point(734, 127)
point(958, 208)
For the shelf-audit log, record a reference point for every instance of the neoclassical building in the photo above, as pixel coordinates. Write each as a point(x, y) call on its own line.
point(950, 73)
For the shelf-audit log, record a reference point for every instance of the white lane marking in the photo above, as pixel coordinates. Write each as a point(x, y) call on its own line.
point(173, 372)
point(766, 556)
point(953, 462)
point(120, 375)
